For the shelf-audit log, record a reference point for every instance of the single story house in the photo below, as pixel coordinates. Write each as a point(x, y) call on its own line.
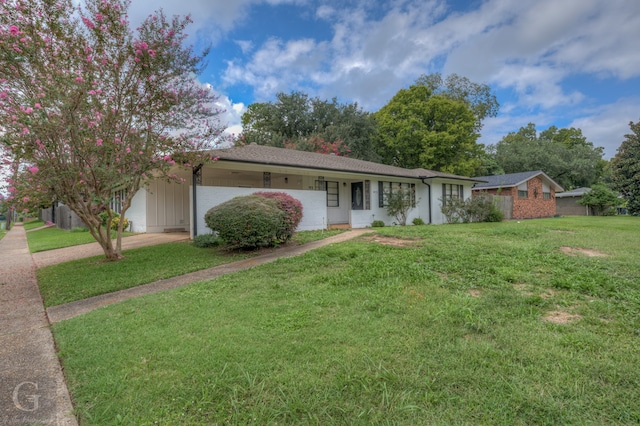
point(533, 193)
point(567, 203)
point(335, 191)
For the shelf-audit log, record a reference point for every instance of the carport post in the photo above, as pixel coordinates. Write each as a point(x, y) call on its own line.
point(197, 174)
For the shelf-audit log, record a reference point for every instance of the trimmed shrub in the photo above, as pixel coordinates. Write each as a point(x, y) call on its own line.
point(418, 221)
point(247, 222)
point(292, 209)
point(377, 224)
point(207, 241)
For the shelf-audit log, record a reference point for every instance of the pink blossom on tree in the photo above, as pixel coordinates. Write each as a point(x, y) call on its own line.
point(92, 105)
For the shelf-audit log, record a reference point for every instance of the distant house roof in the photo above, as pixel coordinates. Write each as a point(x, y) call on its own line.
point(578, 192)
point(260, 154)
point(513, 179)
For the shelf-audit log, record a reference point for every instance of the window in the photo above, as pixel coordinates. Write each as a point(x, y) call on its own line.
point(523, 190)
point(386, 188)
point(116, 201)
point(452, 192)
point(546, 195)
point(332, 189)
point(546, 191)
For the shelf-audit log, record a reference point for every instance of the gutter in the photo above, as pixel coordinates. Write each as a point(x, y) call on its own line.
point(195, 204)
point(422, 178)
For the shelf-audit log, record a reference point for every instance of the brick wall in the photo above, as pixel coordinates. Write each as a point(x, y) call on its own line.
point(534, 206)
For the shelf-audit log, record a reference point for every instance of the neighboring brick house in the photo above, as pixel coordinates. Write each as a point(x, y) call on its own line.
point(533, 193)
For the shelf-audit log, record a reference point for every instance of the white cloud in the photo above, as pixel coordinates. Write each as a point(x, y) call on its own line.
point(211, 18)
point(245, 45)
point(606, 125)
point(231, 115)
point(530, 50)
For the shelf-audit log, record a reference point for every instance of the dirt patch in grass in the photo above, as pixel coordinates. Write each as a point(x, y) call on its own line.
point(474, 292)
point(547, 294)
point(528, 290)
point(391, 241)
point(560, 317)
point(574, 251)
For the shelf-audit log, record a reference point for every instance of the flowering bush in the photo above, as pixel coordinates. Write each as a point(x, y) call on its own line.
point(115, 220)
point(292, 209)
point(247, 222)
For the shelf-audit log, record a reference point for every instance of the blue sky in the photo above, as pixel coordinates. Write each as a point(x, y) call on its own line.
point(568, 63)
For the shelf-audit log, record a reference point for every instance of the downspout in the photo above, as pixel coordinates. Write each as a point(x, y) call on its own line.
point(422, 178)
point(195, 204)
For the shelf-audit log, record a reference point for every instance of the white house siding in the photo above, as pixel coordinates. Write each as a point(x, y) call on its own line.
point(168, 205)
point(314, 215)
point(436, 195)
point(364, 218)
point(137, 214)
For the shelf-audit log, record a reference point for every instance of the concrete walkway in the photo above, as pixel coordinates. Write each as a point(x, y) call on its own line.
point(72, 309)
point(32, 386)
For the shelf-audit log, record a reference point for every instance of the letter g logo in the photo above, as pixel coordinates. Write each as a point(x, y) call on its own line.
point(32, 399)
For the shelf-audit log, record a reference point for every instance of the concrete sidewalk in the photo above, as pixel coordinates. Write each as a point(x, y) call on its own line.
point(52, 257)
point(72, 309)
point(32, 386)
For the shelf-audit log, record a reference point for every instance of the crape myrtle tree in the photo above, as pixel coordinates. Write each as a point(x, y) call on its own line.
point(88, 106)
point(625, 169)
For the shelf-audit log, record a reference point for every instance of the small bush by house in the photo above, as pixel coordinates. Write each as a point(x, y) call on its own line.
point(247, 222)
point(115, 221)
point(207, 241)
point(474, 209)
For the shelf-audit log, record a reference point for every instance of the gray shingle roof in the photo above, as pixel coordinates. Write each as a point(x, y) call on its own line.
point(578, 192)
point(260, 154)
point(512, 179)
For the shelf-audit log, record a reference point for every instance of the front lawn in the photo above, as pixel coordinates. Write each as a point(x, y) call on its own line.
point(511, 323)
point(54, 238)
point(64, 283)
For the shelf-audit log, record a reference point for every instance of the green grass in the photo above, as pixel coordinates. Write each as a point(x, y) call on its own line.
point(446, 326)
point(54, 238)
point(33, 224)
point(63, 283)
point(304, 237)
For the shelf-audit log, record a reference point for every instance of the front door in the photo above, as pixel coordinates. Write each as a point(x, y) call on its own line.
point(357, 196)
